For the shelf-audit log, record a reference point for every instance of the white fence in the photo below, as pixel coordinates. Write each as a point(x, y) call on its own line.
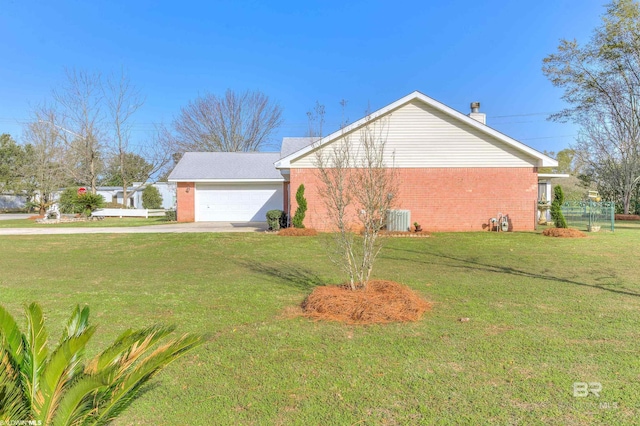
point(121, 213)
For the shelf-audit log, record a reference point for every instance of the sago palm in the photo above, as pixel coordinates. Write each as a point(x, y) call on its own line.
point(60, 387)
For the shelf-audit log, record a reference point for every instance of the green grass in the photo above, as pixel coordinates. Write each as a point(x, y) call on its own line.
point(108, 222)
point(544, 313)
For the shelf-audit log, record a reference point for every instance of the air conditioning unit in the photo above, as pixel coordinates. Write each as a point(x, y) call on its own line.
point(398, 220)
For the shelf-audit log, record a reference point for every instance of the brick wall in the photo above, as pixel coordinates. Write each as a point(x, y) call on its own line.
point(185, 208)
point(446, 199)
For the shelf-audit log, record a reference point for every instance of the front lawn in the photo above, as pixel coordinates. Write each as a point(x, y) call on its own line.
point(543, 313)
point(108, 222)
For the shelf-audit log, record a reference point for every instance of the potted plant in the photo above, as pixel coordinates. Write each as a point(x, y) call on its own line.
point(417, 226)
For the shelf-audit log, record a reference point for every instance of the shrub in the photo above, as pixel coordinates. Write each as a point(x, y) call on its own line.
point(151, 198)
point(170, 215)
point(298, 232)
point(68, 202)
point(276, 219)
point(298, 217)
point(556, 207)
point(72, 389)
point(88, 203)
point(113, 205)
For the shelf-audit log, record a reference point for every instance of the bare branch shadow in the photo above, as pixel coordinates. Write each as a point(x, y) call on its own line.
point(475, 265)
point(286, 273)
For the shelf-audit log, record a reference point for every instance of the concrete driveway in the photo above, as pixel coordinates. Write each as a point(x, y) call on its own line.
point(151, 229)
point(11, 216)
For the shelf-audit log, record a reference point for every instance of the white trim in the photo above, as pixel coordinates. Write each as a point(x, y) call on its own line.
point(553, 175)
point(543, 160)
point(228, 180)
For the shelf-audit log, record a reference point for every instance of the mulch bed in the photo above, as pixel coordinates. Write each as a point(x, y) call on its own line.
point(563, 233)
point(298, 232)
point(627, 217)
point(381, 302)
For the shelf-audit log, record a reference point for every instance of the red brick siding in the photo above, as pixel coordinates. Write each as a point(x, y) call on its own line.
point(186, 202)
point(446, 199)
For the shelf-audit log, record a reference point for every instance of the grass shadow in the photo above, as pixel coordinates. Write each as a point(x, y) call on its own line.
point(287, 273)
point(472, 264)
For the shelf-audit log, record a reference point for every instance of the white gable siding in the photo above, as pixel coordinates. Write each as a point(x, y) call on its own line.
point(421, 136)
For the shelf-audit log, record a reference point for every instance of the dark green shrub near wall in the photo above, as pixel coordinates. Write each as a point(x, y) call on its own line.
point(298, 217)
point(556, 207)
point(170, 216)
point(276, 219)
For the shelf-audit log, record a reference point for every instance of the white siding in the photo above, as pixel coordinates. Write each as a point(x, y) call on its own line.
point(419, 135)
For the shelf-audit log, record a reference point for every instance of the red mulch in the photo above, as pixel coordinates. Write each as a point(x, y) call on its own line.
point(381, 302)
point(627, 217)
point(563, 233)
point(36, 217)
point(298, 232)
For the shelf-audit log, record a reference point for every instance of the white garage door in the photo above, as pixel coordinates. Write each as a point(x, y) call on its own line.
point(243, 202)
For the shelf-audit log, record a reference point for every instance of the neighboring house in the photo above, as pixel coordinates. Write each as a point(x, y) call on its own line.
point(10, 202)
point(114, 194)
point(455, 173)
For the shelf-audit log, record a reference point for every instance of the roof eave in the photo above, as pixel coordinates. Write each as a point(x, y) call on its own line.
point(215, 180)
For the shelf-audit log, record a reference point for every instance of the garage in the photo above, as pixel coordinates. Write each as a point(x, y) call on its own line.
point(237, 202)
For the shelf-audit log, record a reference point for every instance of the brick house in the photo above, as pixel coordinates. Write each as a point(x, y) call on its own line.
point(455, 172)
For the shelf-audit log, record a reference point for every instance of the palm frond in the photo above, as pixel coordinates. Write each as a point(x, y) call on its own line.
point(78, 400)
point(126, 346)
point(77, 323)
point(11, 337)
point(62, 368)
point(127, 388)
point(36, 351)
point(13, 405)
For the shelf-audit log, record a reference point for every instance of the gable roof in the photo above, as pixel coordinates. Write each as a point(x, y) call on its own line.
point(541, 159)
point(226, 166)
point(291, 145)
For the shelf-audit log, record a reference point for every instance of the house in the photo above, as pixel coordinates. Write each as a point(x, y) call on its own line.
point(455, 172)
point(114, 194)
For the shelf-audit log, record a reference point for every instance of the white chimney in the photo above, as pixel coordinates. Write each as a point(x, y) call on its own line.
point(476, 114)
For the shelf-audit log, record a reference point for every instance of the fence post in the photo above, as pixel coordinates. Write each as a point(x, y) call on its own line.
point(613, 215)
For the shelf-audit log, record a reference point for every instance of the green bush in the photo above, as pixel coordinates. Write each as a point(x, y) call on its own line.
point(151, 198)
point(89, 202)
point(556, 207)
point(68, 202)
point(113, 205)
point(170, 216)
point(298, 217)
point(276, 219)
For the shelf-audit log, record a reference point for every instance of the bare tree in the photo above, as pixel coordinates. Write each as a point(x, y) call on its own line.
point(123, 100)
point(81, 120)
point(235, 122)
point(358, 187)
point(601, 84)
point(45, 172)
point(610, 149)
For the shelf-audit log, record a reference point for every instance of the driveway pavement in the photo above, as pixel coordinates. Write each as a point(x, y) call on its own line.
point(151, 229)
point(11, 216)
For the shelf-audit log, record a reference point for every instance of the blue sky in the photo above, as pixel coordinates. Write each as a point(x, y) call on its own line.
point(367, 52)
